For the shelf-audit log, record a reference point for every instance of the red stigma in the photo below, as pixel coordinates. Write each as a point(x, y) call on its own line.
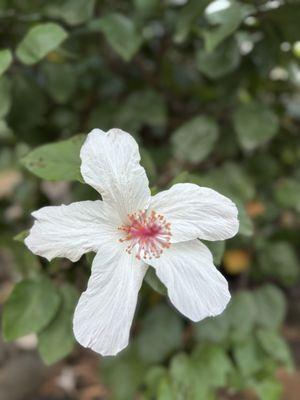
point(149, 234)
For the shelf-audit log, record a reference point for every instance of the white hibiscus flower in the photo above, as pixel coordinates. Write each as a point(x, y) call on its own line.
point(130, 230)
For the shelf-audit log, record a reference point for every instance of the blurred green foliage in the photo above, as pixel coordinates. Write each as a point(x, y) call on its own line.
point(211, 91)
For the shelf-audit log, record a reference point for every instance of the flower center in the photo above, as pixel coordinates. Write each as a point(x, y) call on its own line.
point(148, 234)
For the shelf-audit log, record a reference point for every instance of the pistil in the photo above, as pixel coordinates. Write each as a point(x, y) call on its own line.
point(148, 234)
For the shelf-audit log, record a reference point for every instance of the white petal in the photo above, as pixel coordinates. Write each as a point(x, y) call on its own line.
point(111, 165)
point(70, 231)
point(196, 212)
point(195, 287)
point(104, 314)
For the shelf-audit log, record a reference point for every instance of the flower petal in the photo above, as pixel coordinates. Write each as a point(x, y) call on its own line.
point(104, 314)
point(196, 212)
point(70, 231)
point(111, 165)
point(195, 287)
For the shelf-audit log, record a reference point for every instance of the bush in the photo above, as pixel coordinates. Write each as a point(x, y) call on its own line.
point(210, 90)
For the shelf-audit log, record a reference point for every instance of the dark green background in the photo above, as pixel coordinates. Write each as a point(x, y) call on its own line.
point(212, 97)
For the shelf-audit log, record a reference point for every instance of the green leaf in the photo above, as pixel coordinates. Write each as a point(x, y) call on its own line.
point(241, 313)
point(146, 6)
point(246, 225)
point(186, 18)
point(5, 60)
point(211, 365)
point(268, 389)
point(237, 184)
point(153, 281)
point(145, 107)
point(121, 34)
point(248, 356)
point(188, 380)
point(236, 322)
point(181, 376)
point(217, 249)
point(26, 263)
point(6, 132)
point(90, 258)
point(195, 140)
point(220, 62)
point(123, 373)
point(227, 21)
point(20, 237)
point(39, 41)
point(183, 177)
point(279, 259)
point(154, 340)
point(148, 163)
point(73, 12)
point(153, 378)
point(275, 346)
point(255, 124)
point(27, 96)
point(56, 161)
point(60, 80)
point(165, 390)
point(56, 341)
point(213, 329)
point(5, 96)
point(287, 193)
point(269, 298)
point(30, 307)
point(103, 115)
point(286, 18)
